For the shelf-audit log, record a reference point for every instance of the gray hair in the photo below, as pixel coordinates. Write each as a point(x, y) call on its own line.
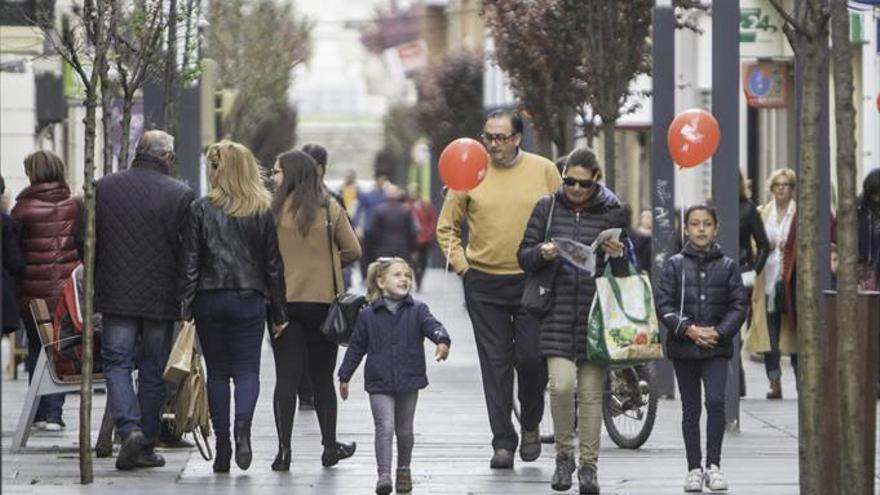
point(156, 144)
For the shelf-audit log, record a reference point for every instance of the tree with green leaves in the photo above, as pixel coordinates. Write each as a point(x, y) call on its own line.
point(257, 44)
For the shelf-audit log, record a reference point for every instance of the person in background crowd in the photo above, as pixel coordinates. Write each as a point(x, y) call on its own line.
point(368, 203)
point(13, 265)
point(507, 337)
point(646, 222)
point(426, 223)
point(233, 277)
point(394, 229)
point(303, 210)
point(754, 247)
point(702, 301)
point(581, 209)
point(351, 193)
point(46, 216)
point(319, 154)
point(391, 332)
point(641, 241)
point(140, 214)
point(772, 327)
point(869, 232)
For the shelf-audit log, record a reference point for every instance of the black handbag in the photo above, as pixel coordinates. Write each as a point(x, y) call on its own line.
point(342, 316)
point(537, 298)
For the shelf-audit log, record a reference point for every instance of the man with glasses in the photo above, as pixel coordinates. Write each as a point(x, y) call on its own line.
point(497, 212)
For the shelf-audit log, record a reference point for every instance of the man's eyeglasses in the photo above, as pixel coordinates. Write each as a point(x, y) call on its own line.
point(571, 182)
point(497, 138)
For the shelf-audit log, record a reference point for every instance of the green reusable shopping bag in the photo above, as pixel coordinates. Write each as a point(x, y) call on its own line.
point(622, 327)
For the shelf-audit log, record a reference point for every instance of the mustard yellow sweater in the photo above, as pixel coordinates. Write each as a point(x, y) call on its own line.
point(497, 212)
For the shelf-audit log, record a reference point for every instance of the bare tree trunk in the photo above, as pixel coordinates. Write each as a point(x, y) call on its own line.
point(106, 119)
point(543, 144)
point(171, 72)
point(127, 103)
point(609, 151)
point(852, 339)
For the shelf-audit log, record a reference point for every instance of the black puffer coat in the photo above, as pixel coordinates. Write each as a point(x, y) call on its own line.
point(751, 227)
point(564, 329)
point(714, 296)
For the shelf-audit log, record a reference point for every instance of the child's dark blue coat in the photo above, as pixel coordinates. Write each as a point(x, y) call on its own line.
point(394, 345)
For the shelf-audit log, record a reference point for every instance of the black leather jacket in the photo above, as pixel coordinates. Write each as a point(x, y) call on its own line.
point(226, 252)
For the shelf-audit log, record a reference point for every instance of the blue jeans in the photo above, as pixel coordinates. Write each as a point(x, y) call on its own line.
point(127, 341)
point(230, 325)
point(692, 376)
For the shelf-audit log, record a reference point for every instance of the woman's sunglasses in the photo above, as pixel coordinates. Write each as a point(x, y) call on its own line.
point(571, 181)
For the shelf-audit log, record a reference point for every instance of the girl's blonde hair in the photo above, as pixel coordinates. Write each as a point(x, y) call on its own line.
point(377, 270)
point(238, 186)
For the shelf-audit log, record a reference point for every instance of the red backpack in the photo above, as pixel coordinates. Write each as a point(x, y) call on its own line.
point(67, 327)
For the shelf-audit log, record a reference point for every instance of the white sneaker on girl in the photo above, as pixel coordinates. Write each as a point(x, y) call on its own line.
point(694, 481)
point(715, 479)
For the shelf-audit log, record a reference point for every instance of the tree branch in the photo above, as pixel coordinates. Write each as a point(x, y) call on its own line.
point(789, 19)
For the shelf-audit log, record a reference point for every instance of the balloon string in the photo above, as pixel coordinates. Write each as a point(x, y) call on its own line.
point(445, 281)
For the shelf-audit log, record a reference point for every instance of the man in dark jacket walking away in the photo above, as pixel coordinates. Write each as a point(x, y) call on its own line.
point(139, 216)
point(394, 230)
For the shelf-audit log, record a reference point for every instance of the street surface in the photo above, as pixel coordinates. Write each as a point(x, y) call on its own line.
point(452, 448)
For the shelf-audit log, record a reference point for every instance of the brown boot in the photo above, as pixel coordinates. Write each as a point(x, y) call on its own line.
point(775, 391)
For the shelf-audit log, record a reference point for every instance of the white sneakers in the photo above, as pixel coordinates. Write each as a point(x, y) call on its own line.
point(694, 481)
point(713, 478)
point(47, 426)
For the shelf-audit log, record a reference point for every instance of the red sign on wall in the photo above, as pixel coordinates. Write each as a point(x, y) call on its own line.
point(766, 84)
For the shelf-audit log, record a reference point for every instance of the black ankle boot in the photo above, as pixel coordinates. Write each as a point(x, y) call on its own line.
point(222, 456)
point(282, 460)
point(243, 453)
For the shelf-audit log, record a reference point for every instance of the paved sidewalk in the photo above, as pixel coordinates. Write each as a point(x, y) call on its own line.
point(452, 441)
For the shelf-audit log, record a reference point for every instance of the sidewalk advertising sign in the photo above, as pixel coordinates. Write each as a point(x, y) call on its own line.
point(766, 84)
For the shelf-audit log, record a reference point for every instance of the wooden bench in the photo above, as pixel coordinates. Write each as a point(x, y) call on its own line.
point(45, 380)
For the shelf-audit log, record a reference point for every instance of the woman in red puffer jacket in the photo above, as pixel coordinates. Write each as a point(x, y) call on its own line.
point(47, 217)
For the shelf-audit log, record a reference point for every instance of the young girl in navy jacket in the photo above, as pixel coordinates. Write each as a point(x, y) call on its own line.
point(391, 331)
point(702, 302)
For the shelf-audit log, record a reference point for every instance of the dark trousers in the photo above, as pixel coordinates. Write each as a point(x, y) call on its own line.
point(50, 405)
point(507, 339)
point(713, 374)
point(127, 342)
point(421, 263)
point(772, 359)
point(230, 324)
point(302, 349)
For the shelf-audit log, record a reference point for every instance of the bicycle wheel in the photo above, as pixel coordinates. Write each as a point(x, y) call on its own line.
point(629, 406)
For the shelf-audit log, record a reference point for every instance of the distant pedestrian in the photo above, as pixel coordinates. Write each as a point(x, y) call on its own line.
point(641, 242)
point(702, 301)
point(140, 216)
point(426, 226)
point(319, 154)
point(772, 328)
point(46, 216)
point(580, 210)
point(390, 332)
point(869, 232)
point(368, 203)
point(394, 230)
point(497, 212)
point(313, 259)
point(350, 192)
point(233, 285)
point(754, 247)
point(13, 266)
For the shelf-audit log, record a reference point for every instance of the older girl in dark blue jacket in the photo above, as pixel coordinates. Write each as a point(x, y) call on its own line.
point(702, 301)
point(391, 332)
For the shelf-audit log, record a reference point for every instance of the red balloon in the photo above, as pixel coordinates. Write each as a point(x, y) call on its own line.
point(693, 137)
point(463, 164)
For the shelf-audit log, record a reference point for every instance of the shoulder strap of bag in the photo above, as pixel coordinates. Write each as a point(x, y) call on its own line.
point(549, 218)
point(330, 245)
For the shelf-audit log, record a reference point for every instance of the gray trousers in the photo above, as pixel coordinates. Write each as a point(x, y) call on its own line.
point(393, 414)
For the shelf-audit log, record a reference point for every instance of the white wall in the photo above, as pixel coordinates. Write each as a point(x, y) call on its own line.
point(17, 122)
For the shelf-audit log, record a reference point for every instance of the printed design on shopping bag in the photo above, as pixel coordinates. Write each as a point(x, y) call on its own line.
point(623, 326)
